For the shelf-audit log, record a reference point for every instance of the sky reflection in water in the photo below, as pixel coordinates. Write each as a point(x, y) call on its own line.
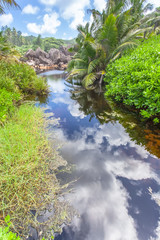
point(114, 175)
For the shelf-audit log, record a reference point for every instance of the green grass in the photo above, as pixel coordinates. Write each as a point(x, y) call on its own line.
point(25, 158)
point(134, 79)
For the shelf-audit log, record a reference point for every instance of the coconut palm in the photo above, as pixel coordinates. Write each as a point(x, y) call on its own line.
point(103, 41)
point(6, 4)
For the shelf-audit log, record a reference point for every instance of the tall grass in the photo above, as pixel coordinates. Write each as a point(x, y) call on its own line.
point(26, 179)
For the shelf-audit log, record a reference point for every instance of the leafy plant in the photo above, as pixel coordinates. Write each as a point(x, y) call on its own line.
point(5, 233)
point(135, 79)
point(17, 80)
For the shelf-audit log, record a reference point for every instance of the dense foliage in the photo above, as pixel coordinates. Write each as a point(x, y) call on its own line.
point(24, 43)
point(16, 81)
point(135, 78)
point(120, 26)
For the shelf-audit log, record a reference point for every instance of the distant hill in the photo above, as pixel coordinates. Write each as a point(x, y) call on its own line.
point(24, 43)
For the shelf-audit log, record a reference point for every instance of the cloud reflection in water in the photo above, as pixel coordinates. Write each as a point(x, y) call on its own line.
point(113, 172)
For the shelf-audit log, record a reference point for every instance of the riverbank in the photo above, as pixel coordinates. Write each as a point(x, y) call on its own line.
point(27, 180)
point(27, 158)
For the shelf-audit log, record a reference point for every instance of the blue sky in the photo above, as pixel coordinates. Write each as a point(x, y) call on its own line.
point(57, 18)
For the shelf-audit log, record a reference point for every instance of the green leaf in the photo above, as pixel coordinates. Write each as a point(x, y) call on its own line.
point(7, 219)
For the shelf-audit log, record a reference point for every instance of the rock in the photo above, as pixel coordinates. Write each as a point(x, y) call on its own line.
point(64, 50)
point(44, 60)
point(37, 61)
point(54, 55)
point(30, 54)
point(63, 58)
point(54, 59)
point(62, 66)
point(40, 53)
point(33, 234)
point(47, 56)
point(31, 62)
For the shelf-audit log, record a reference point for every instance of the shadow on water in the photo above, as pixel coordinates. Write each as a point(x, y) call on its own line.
point(116, 165)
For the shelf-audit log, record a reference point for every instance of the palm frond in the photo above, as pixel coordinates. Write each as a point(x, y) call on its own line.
point(92, 65)
point(109, 32)
point(78, 72)
point(89, 80)
point(7, 4)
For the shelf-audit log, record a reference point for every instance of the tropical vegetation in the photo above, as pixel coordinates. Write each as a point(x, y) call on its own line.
point(24, 43)
point(26, 156)
point(17, 80)
point(122, 25)
point(134, 79)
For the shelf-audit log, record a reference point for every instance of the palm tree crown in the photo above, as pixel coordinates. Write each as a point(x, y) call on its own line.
point(118, 27)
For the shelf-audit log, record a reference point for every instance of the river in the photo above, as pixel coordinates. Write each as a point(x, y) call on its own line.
point(115, 162)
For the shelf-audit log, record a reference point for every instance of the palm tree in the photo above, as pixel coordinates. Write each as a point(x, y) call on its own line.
point(111, 32)
point(7, 3)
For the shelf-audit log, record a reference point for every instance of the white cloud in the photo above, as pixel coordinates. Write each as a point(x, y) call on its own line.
point(25, 34)
point(99, 196)
point(78, 19)
point(6, 19)
point(29, 9)
point(48, 9)
point(73, 10)
point(76, 12)
point(48, 2)
point(155, 2)
point(49, 25)
point(74, 110)
point(99, 4)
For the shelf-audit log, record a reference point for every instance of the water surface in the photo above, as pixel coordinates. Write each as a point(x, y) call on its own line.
point(115, 161)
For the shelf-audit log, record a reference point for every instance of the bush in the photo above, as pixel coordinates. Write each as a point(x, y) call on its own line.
point(135, 79)
point(19, 75)
point(16, 81)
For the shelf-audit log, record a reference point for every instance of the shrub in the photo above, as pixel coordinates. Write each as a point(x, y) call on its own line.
point(135, 79)
point(16, 81)
point(19, 75)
